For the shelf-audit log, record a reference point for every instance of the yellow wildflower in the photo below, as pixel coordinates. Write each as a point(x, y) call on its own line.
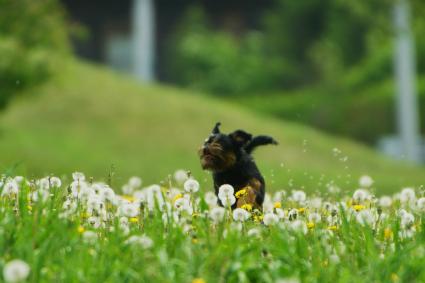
point(199, 280)
point(310, 225)
point(178, 196)
point(333, 228)
point(277, 204)
point(241, 193)
point(29, 207)
point(129, 198)
point(358, 207)
point(247, 207)
point(301, 209)
point(394, 277)
point(388, 234)
point(80, 229)
point(133, 219)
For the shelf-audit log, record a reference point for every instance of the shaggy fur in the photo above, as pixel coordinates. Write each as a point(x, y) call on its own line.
point(228, 157)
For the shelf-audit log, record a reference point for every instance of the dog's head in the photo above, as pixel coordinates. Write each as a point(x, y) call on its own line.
point(221, 151)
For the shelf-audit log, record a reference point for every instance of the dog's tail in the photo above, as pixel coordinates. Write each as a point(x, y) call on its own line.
point(257, 141)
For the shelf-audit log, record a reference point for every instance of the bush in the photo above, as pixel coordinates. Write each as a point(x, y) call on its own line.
point(218, 62)
point(33, 42)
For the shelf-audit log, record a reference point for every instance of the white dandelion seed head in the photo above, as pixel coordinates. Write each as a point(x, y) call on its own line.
point(106, 193)
point(10, 188)
point(224, 191)
point(407, 220)
point(366, 217)
point(365, 182)
point(228, 200)
point(360, 195)
point(298, 226)
point(143, 241)
point(241, 215)
point(78, 177)
point(19, 179)
point(129, 210)
point(135, 182)
point(407, 195)
point(299, 196)
point(279, 196)
point(16, 271)
point(39, 194)
point(334, 259)
point(270, 219)
point(89, 237)
point(314, 217)
point(254, 232)
point(191, 186)
point(55, 182)
point(315, 203)
point(127, 189)
point(210, 199)
point(94, 221)
point(280, 213)
point(180, 176)
point(43, 183)
point(385, 201)
point(217, 214)
point(420, 204)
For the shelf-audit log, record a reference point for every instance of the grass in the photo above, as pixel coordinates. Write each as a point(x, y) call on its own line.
point(88, 242)
point(90, 118)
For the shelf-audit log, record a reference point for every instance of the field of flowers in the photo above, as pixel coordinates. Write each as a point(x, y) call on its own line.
point(85, 231)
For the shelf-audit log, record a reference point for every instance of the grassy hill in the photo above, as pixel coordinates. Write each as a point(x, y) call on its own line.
point(89, 118)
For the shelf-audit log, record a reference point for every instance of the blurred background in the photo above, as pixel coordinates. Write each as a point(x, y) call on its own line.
point(133, 87)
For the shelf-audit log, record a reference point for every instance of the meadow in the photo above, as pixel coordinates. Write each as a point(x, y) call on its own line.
point(91, 119)
point(85, 231)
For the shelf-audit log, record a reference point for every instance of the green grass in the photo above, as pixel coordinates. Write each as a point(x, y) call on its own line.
point(57, 248)
point(89, 118)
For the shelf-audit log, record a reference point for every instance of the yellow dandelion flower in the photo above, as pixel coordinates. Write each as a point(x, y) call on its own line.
point(333, 228)
point(358, 207)
point(247, 207)
point(301, 209)
point(241, 193)
point(178, 196)
point(394, 277)
point(29, 207)
point(133, 220)
point(80, 229)
point(129, 198)
point(199, 280)
point(388, 234)
point(277, 204)
point(310, 225)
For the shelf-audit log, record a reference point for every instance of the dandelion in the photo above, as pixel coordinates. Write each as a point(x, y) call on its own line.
point(225, 191)
point(365, 181)
point(366, 217)
point(299, 226)
point(314, 217)
point(210, 199)
point(228, 200)
point(358, 207)
point(420, 204)
point(80, 229)
point(247, 207)
point(407, 220)
point(241, 193)
point(55, 182)
point(298, 196)
point(407, 195)
point(241, 215)
point(270, 219)
point(180, 176)
point(360, 195)
point(277, 205)
point(385, 201)
point(10, 188)
point(217, 214)
point(78, 177)
point(16, 271)
point(143, 241)
point(254, 232)
point(129, 210)
point(94, 221)
point(191, 186)
point(89, 237)
point(199, 280)
point(135, 182)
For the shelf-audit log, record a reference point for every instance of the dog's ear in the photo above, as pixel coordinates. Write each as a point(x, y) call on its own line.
point(240, 138)
point(216, 129)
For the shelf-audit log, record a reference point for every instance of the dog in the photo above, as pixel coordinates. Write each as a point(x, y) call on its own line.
point(228, 157)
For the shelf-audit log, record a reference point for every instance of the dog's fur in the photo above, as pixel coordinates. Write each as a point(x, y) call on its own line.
point(229, 158)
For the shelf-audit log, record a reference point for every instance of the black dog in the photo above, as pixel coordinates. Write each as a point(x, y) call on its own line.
point(229, 158)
